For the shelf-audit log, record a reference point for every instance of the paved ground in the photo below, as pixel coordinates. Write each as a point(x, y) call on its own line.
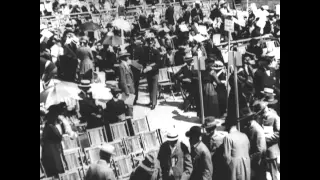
point(166, 115)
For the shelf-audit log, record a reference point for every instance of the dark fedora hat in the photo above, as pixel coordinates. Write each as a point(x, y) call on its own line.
point(148, 163)
point(210, 122)
point(194, 131)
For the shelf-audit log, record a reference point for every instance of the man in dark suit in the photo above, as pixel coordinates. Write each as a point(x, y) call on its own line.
point(136, 54)
point(152, 71)
point(101, 170)
point(254, 48)
point(197, 11)
point(186, 13)
point(169, 14)
point(200, 154)
point(213, 139)
point(126, 81)
point(264, 77)
point(258, 145)
point(175, 159)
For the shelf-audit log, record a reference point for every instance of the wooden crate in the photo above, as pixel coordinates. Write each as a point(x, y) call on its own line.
point(119, 130)
point(73, 159)
point(138, 126)
point(92, 154)
point(70, 175)
point(68, 143)
point(123, 166)
point(151, 140)
point(97, 136)
point(133, 144)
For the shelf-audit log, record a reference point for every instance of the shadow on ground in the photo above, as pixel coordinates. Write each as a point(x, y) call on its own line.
point(171, 103)
point(180, 117)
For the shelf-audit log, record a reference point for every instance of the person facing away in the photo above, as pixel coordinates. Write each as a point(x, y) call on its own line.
point(213, 139)
point(102, 170)
point(200, 154)
point(174, 157)
point(146, 170)
point(236, 147)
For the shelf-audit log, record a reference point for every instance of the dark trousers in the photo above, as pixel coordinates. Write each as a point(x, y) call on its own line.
point(272, 166)
point(153, 88)
point(136, 77)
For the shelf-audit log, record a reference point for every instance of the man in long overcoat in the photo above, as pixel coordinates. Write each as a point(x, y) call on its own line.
point(271, 125)
point(175, 159)
point(200, 154)
point(236, 147)
point(126, 81)
point(258, 145)
point(213, 139)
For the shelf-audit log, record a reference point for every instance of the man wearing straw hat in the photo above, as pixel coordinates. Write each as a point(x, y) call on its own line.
point(175, 159)
point(102, 170)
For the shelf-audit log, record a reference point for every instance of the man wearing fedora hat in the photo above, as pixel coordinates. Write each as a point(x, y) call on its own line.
point(258, 144)
point(213, 140)
point(200, 154)
point(174, 157)
point(146, 170)
point(102, 170)
point(254, 48)
point(126, 81)
point(270, 122)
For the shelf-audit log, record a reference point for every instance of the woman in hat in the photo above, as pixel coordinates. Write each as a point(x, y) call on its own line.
point(221, 89)
point(210, 96)
point(115, 108)
point(84, 53)
point(52, 138)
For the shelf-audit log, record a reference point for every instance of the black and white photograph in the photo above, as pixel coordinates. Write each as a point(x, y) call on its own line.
point(159, 90)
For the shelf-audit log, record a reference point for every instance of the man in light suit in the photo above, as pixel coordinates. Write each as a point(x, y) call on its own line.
point(200, 154)
point(271, 125)
point(175, 159)
point(126, 81)
point(101, 170)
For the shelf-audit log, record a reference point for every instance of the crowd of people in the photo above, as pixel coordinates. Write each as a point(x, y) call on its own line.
point(167, 40)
